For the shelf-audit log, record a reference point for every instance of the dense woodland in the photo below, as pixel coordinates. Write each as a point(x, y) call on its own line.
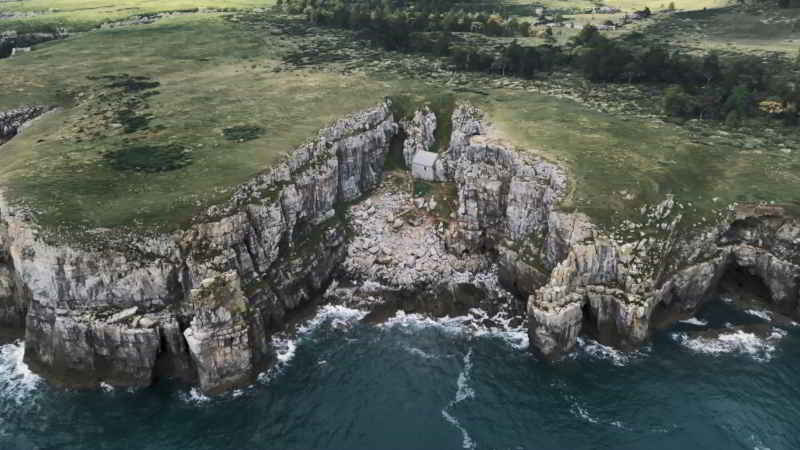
point(709, 87)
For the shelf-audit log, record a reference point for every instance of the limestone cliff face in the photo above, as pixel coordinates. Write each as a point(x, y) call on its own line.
point(580, 279)
point(198, 304)
point(419, 134)
point(616, 288)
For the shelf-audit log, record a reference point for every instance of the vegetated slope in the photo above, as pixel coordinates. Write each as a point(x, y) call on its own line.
point(212, 102)
point(83, 15)
point(158, 120)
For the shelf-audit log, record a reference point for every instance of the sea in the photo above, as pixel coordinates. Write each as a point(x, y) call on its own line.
point(469, 382)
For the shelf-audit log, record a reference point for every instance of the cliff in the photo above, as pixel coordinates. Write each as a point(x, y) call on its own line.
point(580, 278)
point(196, 305)
point(199, 304)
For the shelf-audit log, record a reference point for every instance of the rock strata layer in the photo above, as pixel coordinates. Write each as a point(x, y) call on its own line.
point(200, 304)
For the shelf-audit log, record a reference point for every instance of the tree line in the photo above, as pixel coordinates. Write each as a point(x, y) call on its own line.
point(698, 87)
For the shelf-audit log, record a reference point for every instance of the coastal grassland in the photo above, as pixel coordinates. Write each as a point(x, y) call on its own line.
point(203, 75)
point(620, 164)
point(83, 15)
point(731, 29)
point(687, 5)
point(624, 5)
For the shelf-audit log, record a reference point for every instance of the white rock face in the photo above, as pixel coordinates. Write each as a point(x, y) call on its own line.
point(419, 135)
point(199, 304)
point(108, 313)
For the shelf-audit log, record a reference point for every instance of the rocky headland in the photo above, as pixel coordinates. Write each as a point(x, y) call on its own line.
point(200, 304)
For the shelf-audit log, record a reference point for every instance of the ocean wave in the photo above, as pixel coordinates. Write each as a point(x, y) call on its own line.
point(597, 350)
point(463, 392)
point(17, 382)
point(583, 413)
point(694, 321)
point(285, 344)
point(477, 324)
point(419, 352)
point(194, 396)
point(739, 341)
point(760, 313)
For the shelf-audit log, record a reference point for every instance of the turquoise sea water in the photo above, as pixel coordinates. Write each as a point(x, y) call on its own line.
point(417, 383)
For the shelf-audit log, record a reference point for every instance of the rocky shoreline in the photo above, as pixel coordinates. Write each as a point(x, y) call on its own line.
point(199, 305)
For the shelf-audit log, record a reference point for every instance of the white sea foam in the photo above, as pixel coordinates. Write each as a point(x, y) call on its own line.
point(695, 321)
point(478, 323)
point(581, 412)
point(599, 351)
point(285, 344)
point(739, 341)
point(760, 313)
point(17, 382)
point(194, 396)
point(338, 316)
point(419, 352)
point(463, 392)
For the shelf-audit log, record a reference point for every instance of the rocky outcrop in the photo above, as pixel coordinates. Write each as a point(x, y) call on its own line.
point(614, 289)
point(419, 134)
point(10, 40)
point(199, 304)
point(204, 298)
point(581, 279)
point(13, 122)
point(218, 336)
point(507, 200)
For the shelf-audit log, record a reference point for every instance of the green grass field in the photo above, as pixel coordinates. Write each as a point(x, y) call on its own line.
point(732, 30)
point(82, 15)
point(619, 165)
point(205, 79)
point(213, 75)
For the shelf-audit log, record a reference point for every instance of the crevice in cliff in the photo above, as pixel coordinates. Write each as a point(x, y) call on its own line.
point(740, 281)
point(589, 325)
point(394, 158)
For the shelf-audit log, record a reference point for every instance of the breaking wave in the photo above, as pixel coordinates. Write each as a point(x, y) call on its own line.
point(477, 323)
point(695, 321)
point(596, 350)
point(194, 396)
point(285, 344)
point(742, 342)
point(17, 382)
point(760, 313)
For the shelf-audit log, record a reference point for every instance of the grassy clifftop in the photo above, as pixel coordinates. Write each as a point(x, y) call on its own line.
point(157, 121)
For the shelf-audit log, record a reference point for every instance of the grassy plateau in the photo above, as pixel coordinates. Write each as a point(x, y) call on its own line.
point(157, 121)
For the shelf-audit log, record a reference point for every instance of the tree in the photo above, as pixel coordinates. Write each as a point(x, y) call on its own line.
point(712, 71)
point(605, 62)
point(442, 45)
point(589, 36)
point(677, 103)
point(549, 38)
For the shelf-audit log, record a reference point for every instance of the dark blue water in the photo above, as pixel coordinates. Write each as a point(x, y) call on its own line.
point(414, 383)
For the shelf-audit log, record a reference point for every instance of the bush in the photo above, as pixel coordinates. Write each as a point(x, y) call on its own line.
point(677, 103)
point(149, 158)
point(243, 133)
